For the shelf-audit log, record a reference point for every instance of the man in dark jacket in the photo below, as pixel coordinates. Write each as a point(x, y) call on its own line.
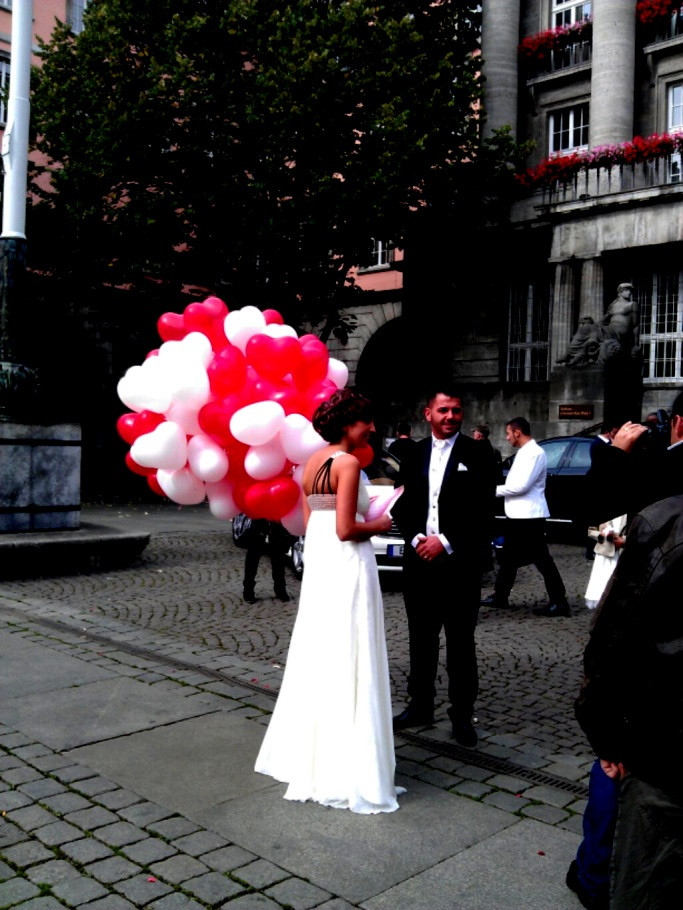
point(631, 707)
point(443, 515)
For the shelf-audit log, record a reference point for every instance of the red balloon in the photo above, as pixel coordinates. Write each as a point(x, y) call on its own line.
point(215, 307)
point(227, 371)
point(214, 419)
point(315, 396)
point(125, 427)
point(313, 369)
point(271, 499)
point(154, 485)
point(365, 455)
point(239, 493)
point(137, 468)
point(197, 318)
point(171, 326)
point(272, 317)
point(304, 339)
point(274, 358)
point(147, 421)
point(154, 353)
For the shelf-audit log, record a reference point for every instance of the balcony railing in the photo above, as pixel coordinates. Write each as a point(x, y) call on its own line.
point(591, 183)
point(559, 59)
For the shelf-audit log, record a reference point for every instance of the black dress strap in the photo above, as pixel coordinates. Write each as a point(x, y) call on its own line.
point(322, 478)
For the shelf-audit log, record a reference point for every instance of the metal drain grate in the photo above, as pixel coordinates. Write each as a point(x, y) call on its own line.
point(495, 764)
point(451, 750)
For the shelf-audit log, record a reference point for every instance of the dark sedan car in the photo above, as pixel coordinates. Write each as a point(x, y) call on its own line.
point(568, 460)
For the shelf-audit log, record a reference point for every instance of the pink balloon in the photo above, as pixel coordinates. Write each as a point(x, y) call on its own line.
point(272, 317)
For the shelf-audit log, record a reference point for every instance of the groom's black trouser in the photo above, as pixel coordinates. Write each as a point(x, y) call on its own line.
point(443, 594)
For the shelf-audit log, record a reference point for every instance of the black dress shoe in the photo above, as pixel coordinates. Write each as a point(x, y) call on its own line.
point(413, 717)
point(249, 597)
point(587, 900)
point(283, 596)
point(553, 610)
point(493, 601)
point(465, 734)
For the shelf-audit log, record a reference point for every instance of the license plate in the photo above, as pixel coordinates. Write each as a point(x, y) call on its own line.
point(395, 549)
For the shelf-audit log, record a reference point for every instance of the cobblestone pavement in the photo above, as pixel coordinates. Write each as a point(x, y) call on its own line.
point(176, 619)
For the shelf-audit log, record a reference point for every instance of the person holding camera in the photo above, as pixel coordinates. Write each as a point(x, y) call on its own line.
point(609, 540)
point(642, 465)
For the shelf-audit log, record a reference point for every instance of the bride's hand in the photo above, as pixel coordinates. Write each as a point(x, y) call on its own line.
point(383, 523)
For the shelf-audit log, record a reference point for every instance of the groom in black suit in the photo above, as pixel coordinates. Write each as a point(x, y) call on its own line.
point(444, 516)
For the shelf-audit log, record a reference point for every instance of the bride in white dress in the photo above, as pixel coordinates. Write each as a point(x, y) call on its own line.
point(330, 737)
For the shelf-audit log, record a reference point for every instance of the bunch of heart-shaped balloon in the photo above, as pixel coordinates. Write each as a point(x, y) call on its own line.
point(222, 410)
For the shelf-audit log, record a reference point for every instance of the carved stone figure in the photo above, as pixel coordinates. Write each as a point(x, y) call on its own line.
point(584, 348)
point(621, 326)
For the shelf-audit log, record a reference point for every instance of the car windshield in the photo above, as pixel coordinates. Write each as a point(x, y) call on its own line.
point(581, 456)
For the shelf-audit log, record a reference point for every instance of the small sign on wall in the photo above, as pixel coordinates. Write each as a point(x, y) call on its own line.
point(575, 412)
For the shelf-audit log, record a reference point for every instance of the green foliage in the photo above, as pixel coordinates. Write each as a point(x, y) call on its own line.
point(248, 147)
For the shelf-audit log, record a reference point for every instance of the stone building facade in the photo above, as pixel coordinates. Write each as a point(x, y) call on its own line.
point(595, 84)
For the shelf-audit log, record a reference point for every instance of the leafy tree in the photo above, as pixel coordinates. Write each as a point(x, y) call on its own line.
point(248, 147)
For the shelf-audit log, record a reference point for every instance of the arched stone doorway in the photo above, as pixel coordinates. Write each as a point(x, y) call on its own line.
point(388, 373)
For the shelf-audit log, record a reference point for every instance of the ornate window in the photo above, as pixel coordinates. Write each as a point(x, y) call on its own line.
point(661, 320)
point(528, 333)
point(568, 129)
point(567, 12)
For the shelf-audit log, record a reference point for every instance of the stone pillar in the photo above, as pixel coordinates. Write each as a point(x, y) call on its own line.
point(562, 326)
point(613, 71)
point(499, 41)
point(592, 293)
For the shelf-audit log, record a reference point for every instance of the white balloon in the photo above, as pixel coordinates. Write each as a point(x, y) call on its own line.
point(240, 325)
point(207, 460)
point(221, 501)
point(275, 330)
point(298, 474)
point(165, 447)
point(182, 487)
point(338, 372)
point(257, 423)
point(299, 439)
point(145, 387)
point(294, 521)
point(185, 416)
point(266, 461)
point(195, 346)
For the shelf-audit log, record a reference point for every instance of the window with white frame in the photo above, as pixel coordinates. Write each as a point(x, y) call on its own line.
point(528, 333)
point(74, 14)
point(567, 12)
point(568, 129)
point(382, 254)
point(661, 325)
point(4, 88)
point(674, 108)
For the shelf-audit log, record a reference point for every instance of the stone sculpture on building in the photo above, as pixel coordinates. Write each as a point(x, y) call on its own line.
point(617, 336)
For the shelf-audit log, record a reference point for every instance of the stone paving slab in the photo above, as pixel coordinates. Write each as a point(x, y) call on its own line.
point(93, 712)
point(520, 867)
point(206, 761)
point(27, 668)
point(349, 855)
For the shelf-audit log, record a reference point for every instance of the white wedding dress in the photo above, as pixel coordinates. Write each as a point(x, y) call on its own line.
point(330, 737)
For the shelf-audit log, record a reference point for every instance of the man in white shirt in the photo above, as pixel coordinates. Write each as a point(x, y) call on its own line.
point(526, 509)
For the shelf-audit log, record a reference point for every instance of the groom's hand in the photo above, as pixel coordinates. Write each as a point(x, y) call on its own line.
point(429, 548)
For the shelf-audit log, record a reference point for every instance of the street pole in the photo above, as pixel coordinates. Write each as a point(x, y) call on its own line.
point(18, 382)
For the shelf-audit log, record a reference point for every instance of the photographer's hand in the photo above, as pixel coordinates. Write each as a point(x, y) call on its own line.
point(627, 435)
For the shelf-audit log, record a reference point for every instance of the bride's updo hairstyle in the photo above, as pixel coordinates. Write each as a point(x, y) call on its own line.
point(343, 408)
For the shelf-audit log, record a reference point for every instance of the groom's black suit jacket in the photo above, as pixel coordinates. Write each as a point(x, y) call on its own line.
point(466, 500)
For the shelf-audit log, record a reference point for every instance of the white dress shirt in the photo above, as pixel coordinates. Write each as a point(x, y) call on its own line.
point(441, 452)
point(524, 488)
